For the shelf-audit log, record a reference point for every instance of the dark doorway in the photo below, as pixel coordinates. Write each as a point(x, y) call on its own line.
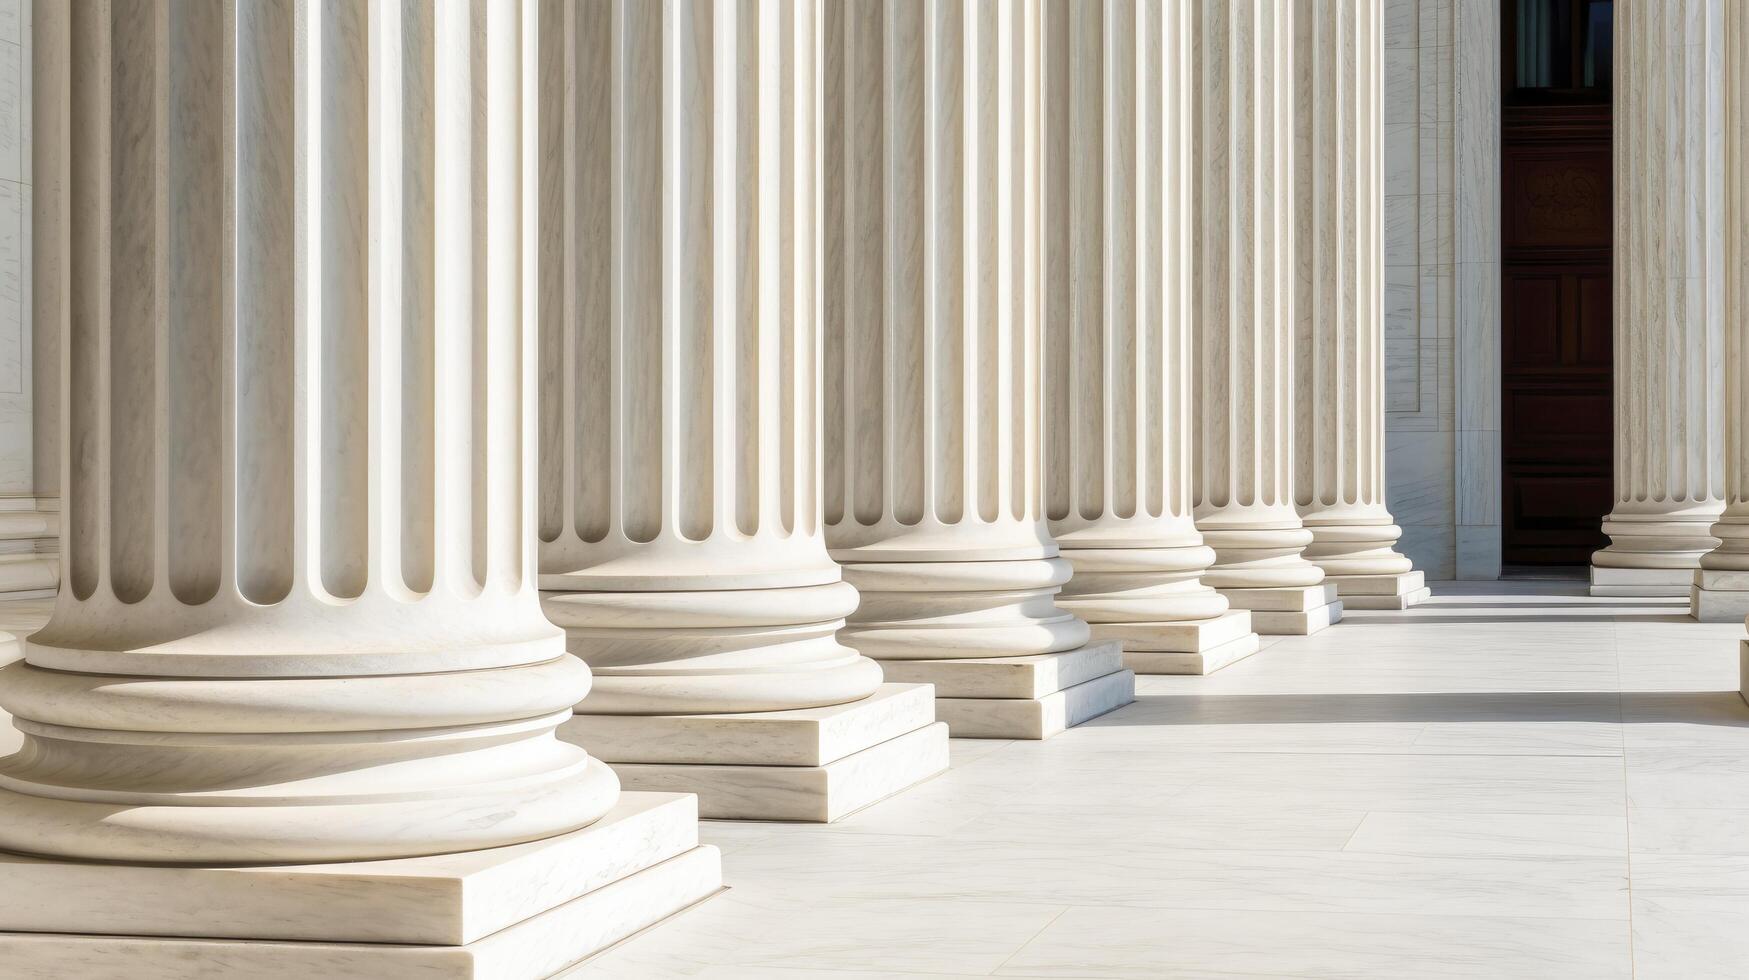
point(1556, 229)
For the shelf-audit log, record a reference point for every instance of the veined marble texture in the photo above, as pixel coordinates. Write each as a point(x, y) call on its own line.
point(1339, 250)
point(1732, 530)
point(680, 491)
point(311, 632)
point(1118, 279)
point(934, 499)
point(1244, 301)
point(1669, 281)
point(1473, 791)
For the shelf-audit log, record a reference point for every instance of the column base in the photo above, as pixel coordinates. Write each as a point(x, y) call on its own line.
point(1296, 611)
point(1743, 669)
point(1023, 697)
point(1398, 591)
point(811, 765)
point(1642, 583)
point(1198, 647)
point(1719, 596)
point(508, 913)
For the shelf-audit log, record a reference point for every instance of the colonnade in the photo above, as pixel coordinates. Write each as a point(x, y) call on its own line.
point(823, 377)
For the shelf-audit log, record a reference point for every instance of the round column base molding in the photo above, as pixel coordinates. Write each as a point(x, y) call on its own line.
point(710, 652)
point(681, 690)
point(970, 609)
point(291, 799)
point(1351, 549)
point(1658, 540)
point(1141, 585)
point(1260, 559)
point(1732, 554)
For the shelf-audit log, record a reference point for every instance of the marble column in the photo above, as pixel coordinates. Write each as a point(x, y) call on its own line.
point(1246, 271)
point(1339, 337)
point(1721, 587)
point(933, 489)
point(681, 542)
point(1118, 99)
point(1669, 327)
point(299, 622)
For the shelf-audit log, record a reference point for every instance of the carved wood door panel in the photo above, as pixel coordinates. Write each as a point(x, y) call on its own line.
point(1556, 250)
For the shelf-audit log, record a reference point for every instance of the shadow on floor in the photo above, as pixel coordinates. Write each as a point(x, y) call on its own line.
point(1718, 708)
point(1599, 605)
point(1529, 616)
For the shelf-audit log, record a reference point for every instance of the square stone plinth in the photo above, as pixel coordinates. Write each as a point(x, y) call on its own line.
point(799, 737)
point(1299, 611)
point(1185, 637)
point(1023, 697)
point(508, 913)
point(1196, 647)
point(1197, 662)
point(1381, 591)
point(813, 794)
point(1641, 582)
point(1037, 718)
point(1009, 677)
point(1718, 606)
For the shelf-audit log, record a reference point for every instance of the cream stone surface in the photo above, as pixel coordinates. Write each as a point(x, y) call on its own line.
point(1025, 697)
point(1244, 381)
point(536, 947)
point(1037, 718)
point(681, 542)
point(450, 899)
point(809, 794)
point(1193, 662)
point(1197, 634)
point(1011, 677)
point(1725, 569)
point(796, 737)
point(1648, 582)
point(932, 305)
point(1297, 622)
point(1402, 600)
point(1718, 605)
point(300, 638)
point(1119, 169)
point(1669, 280)
point(1339, 341)
point(31, 296)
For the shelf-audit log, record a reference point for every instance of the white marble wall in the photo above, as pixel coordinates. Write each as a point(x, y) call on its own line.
point(1442, 283)
point(15, 345)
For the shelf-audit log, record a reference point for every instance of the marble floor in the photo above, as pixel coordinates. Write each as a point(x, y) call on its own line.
point(1514, 780)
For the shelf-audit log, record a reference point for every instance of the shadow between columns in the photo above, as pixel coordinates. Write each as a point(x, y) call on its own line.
point(1714, 708)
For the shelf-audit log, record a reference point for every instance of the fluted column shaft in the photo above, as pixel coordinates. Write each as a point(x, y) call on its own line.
point(299, 620)
point(1245, 501)
point(1732, 530)
point(1669, 324)
point(680, 524)
point(932, 304)
point(1339, 366)
point(1118, 230)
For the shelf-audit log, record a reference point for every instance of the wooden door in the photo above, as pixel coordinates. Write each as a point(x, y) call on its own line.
point(1556, 231)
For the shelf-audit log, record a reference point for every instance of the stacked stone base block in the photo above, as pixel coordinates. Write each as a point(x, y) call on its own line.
point(1641, 582)
point(1298, 611)
point(1743, 669)
point(1197, 647)
point(1381, 591)
point(1719, 596)
point(509, 913)
point(1023, 697)
point(808, 764)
